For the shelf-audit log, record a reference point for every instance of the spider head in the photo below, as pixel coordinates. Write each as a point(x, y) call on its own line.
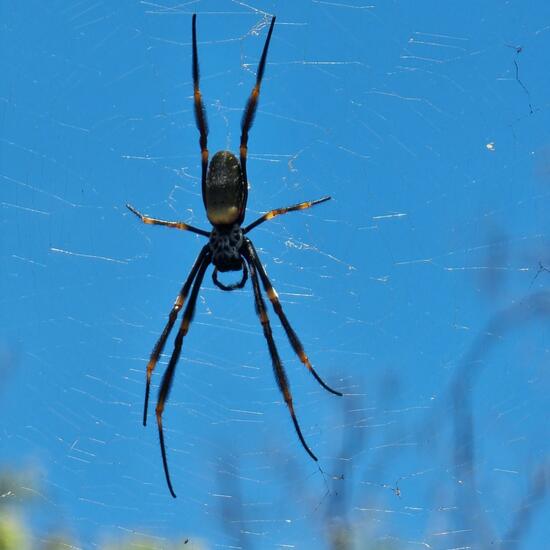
point(225, 245)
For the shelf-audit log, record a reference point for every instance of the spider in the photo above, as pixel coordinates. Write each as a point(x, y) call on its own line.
point(224, 193)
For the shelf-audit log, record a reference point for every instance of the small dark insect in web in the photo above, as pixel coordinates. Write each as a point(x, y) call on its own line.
point(224, 194)
point(542, 268)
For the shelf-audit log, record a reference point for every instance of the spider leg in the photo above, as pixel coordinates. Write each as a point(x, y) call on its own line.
point(292, 336)
point(279, 211)
point(168, 377)
point(250, 110)
point(159, 346)
point(280, 374)
point(200, 113)
point(175, 225)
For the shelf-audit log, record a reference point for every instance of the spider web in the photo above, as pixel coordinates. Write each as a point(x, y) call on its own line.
point(420, 290)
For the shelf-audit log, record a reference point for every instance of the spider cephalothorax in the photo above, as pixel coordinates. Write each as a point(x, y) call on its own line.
point(224, 193)
point(225, 246)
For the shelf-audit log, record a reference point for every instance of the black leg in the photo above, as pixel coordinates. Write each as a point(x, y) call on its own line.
point(200, 113)
point(168, 377)
point(278, 369)
point(250, 111)
point(279, 211)
point(292, 336)
point(159, 346)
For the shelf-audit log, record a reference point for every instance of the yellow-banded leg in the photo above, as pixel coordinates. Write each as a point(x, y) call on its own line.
point(168, 377)
point(161, 342)
point(278, 369)
point(280, 211)
point(174, 225)
point(250, 110)
point(200, 113)
point(292, 336)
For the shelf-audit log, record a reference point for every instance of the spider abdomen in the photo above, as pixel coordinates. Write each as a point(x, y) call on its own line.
point(224, 192)
point(225, 245)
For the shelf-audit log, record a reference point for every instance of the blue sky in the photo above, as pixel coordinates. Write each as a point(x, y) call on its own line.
point(427, 123)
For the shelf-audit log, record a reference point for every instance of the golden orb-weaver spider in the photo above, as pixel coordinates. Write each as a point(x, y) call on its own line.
point(224, 194)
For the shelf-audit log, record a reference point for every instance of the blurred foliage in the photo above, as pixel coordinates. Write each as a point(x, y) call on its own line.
point(17, 492)
point(143, 543)
point(20, 492)
point(13, 532)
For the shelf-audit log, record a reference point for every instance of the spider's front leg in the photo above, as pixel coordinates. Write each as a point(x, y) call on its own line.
point(280, 374)
point(292, 336)
point(161, 342)
point(168, 377)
